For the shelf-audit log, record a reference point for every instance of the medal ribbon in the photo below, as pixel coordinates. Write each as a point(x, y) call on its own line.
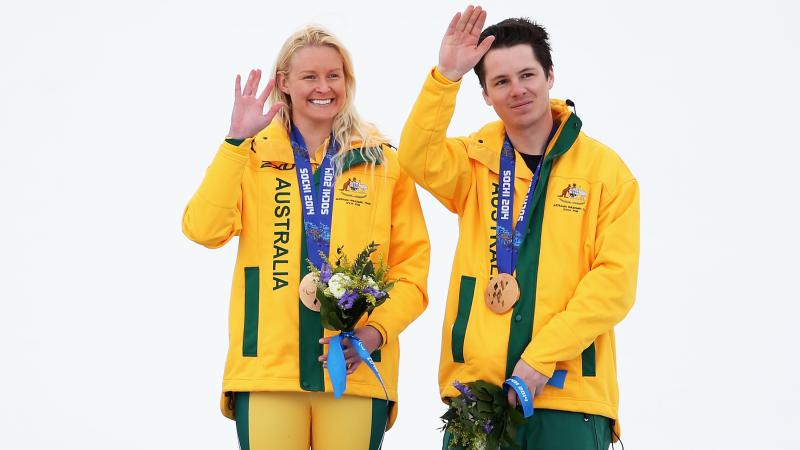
point(337, 367)
point(509, 238)
point(317, 209)
point(524, 394)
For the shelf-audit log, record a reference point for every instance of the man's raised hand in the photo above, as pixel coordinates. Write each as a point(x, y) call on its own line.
point(460, 51)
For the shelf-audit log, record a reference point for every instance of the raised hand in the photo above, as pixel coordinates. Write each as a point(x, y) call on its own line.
point(460, 51)
point(248, 117)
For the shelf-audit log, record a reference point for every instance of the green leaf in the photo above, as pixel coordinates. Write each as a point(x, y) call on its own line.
point(369, 269)
point(485, 408)
point(450, 414)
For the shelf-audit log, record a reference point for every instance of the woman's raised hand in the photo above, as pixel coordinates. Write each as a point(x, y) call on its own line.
point(248, 117)
point(460, 51)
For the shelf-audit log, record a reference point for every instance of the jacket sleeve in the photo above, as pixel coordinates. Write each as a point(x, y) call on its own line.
point(214, 214)
point(408, 259)
point(440, 165)
point(605, 294)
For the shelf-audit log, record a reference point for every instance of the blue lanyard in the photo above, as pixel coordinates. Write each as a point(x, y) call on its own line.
point(337, 366)
point(317, 209)
point(509, 238)
point(524, 394)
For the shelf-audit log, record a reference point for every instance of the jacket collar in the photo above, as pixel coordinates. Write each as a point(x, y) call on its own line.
point(488, 141)
point(273, 144)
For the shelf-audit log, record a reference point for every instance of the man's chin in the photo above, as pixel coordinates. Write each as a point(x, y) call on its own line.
point(517, 122)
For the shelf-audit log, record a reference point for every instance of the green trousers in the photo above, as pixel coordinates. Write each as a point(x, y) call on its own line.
point(560, 430)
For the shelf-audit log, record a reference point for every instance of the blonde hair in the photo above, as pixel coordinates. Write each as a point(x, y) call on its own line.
point(348, 128)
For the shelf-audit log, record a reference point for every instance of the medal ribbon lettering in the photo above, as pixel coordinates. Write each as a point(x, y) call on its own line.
point(317, 209)
point(524, 394)
point(509, 238)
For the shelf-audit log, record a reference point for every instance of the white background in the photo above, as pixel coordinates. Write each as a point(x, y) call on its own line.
point(113, 325)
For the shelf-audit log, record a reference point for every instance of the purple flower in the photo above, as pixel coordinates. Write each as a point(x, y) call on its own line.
point(369, 290)
point(347, 300)
point(487, 426)
point(465, 391)
point(325, 273)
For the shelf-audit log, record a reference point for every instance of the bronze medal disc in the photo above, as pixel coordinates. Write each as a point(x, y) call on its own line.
point(308, 292)
point(502, 293)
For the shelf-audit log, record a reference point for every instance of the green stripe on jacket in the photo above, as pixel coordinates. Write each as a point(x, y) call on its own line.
point(528, 262)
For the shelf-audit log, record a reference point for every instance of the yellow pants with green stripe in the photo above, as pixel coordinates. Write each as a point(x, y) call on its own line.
point(299, 420)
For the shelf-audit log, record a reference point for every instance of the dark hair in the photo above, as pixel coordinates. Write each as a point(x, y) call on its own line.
point(511, 32)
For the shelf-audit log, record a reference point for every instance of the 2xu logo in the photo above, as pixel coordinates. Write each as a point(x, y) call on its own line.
point(279, 166)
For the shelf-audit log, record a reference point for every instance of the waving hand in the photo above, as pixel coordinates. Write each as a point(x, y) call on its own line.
point(248, 117)
point(460, 51)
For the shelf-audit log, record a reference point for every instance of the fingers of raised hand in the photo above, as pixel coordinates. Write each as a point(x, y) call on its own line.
point(251, 87)
point(453, 24)
point(246, 88)
point(473, 20)
point(238, 86)
point(485, 44)
point(271, 113)
point(464, 19)
point(252, 83)
point(478, 27)
point(267, 90)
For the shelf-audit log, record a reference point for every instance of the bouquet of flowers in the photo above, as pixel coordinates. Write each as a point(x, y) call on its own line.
point(347, 290)
point(480, 418)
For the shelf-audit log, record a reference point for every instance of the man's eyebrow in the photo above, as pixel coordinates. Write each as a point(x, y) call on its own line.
point(526, 69)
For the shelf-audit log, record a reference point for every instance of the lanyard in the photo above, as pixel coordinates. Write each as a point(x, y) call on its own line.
point(509, 238)
point(337, 366)
point(524, 394)
point(317, 208)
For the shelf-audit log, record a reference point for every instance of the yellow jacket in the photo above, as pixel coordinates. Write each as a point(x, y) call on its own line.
point(251, 191)
point(577, 266)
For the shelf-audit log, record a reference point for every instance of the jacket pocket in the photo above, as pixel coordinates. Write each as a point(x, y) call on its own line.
point(251, 303)
point(465, 293)
point(589, 361)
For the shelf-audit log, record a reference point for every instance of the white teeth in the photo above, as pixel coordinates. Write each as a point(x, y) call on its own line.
point(322, 102)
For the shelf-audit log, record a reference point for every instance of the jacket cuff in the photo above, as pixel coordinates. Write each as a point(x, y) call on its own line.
point(545, 369)
point(239, 151)
point(439, 76)
point(234, 141)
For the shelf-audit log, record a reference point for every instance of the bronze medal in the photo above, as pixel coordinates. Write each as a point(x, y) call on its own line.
point(502, 293)
point(308, 292)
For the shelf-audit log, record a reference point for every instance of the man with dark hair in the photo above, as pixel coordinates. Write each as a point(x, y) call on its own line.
point(539, 278)
point(517, 31)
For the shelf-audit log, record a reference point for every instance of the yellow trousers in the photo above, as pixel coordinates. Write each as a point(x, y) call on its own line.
point(299, 420)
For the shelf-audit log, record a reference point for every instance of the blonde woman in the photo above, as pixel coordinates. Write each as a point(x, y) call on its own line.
point(274, 384)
